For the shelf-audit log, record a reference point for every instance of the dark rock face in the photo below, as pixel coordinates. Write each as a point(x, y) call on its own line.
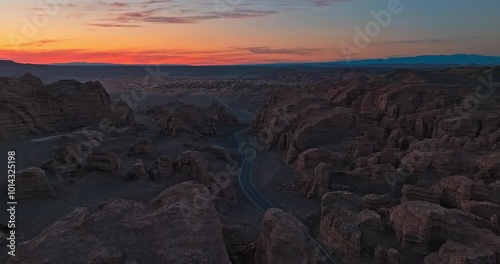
point(284, 239)
point(131, 232)
point(28, 107)
point(33, 182)
point(190, 119)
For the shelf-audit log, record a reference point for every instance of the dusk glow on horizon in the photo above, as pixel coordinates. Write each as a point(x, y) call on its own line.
point(210, 32)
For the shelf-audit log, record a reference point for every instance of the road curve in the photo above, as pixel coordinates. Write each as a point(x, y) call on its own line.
point(246, 184)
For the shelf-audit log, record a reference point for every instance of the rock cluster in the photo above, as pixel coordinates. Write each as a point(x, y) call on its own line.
point(405, 139)
point(190, 119)
point(425, 227)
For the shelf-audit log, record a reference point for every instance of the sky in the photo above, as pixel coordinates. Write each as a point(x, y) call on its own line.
point(209, 32)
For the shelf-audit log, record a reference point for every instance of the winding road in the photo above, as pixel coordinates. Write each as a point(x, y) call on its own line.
point(246, 183)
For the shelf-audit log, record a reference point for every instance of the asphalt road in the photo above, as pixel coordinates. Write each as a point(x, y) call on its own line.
point(246, 184)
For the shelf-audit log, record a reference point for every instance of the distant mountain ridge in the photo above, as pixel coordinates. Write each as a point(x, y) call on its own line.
point(455, 59)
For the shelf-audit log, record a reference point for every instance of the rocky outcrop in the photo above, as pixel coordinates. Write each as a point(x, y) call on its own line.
point(196, 167)
point(24, 86)
point(298, 122)
point(72, 151)
point(321, 184)
point(376, 201)
point(284, 239)
point(454, 252)
point(31, 183)
point(414, 193)
point(140, 171)
point(189, 119)
point(162, 168)
point(425, 227)
point(491, 165)
point(219, 115)
point(144, 147)
point(383, 255)
point(36, 109)
point(338, 227)
point(124, 231)
point(104, 161)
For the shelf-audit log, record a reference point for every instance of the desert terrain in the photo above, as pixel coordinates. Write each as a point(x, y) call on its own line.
point(253, 165)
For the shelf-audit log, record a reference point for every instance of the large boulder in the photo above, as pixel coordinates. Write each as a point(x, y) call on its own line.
point(31, 183)
point(164, 167)
point(338, 226)
point(284, 239)
point(321, 184)
point(424, 227)
point(179, 226)
point(104, 161)
point(140, 171)
point(491, 164)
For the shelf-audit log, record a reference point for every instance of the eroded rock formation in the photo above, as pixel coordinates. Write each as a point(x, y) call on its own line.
point(124, 231)
point(29, 107)
point(284, 239)
point(33, 182)
point(407, 138)
point(197, 168)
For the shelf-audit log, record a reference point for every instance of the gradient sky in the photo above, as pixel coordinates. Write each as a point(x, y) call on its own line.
point(205, 32)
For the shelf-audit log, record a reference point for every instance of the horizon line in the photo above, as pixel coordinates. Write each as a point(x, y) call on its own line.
point(338, 62)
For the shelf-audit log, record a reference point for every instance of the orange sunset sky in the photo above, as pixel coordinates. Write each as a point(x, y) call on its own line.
point(206, 32)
